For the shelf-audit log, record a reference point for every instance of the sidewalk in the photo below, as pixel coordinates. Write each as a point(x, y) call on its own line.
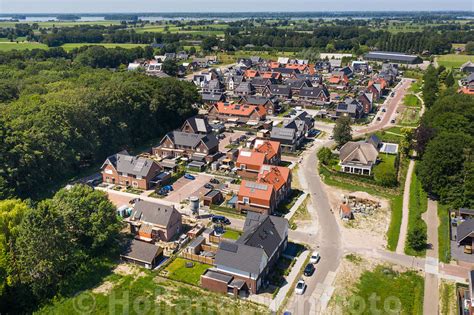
point(295, 207)
point(290, 282)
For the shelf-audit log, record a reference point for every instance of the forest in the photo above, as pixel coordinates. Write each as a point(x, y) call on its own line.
point(60, 116)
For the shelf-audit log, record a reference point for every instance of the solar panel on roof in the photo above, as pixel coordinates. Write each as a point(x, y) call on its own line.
point(230, 247)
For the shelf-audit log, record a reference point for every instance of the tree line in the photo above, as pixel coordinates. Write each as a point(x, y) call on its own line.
point(61, 117)
point(445, 142)
point(53, 248)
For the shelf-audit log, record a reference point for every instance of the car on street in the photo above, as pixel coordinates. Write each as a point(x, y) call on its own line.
point(189, 176)
point(168, 188)
point(220, 219)
point(392, 121)
point(379, 118)
point(392, 94)
point(300, 287)
point(314, 259)
point(383, 110)
point(208, 186)
point(309, 270)
point(214, 181)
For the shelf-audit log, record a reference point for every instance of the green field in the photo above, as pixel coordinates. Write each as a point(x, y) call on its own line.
point(69, 47)
point(6, 46)
point(411, 100)
point(177, 270)
point(214, 29)
point(60, 23)
point(453, 60)
point(407, 288)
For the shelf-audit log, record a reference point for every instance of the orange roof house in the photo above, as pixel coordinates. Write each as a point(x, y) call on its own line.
point(251, 73)
point(277, 176)
point(274, 64)
point(338, 79)
point(294, 66)
point(271, 75)
point(241, 112)
point(271, 150)
point(256, 197)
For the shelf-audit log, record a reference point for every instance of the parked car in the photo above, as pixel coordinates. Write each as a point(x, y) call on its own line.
point(379, 118)
point(392, 121)
point(214, 181)
point(218, 230)
point(220, 219)
point(134, 201)
point(168, 188)
point(300, 287)
point(208, 186)
point(314, 258)
point(309, 270)
point(383, 110)
point(189, 176)
point(393, 94)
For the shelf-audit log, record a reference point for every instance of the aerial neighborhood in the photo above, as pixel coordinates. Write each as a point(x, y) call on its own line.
point(241, 163)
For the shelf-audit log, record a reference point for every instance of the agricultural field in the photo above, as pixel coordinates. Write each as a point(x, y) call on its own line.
point(227, 58)
point(453, 60)
point(7, 46)
point(69, 47)
point(214, 29)
point(50, 24)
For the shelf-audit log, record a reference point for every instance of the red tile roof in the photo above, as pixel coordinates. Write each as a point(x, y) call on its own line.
point(251, 73)
point(253, 160)
point(274, 175)
point(269, 148)
point(274, 64)
point(244, 110)
point(254, 190)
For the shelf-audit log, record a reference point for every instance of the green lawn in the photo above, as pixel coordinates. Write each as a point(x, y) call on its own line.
point(143, 292)
point(387, 162)
point(416, 87)
point(417, 206)
point(388, 285)
point(231, 234)
point(410, 116)
point(393, 233)
point(177, 270)
point(411, 100)
point(69, 47)
point(7, 46)
point(453, 60)
point(444, 244)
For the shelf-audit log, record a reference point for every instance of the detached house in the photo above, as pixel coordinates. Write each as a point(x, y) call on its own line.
point(124, 169)
point(152, 222)
point(194, 146)
point(238, 113)
point(314, 95)
point(249, 163)
point(242, 266)
point(350, 107)
point(358, 157)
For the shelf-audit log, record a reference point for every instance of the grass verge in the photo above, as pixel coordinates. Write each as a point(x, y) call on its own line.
point(444, 244)
point(417, 206)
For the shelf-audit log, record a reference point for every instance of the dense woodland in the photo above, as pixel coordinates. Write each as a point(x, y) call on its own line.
point(445, 143)
point(59, 117)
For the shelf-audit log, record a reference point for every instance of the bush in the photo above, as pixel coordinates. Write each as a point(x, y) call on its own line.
point(325, 155)
point(417, 238)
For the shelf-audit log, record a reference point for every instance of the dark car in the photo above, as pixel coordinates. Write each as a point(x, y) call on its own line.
point(220, 219)
point(214, 181)
point(309, 270)
point(208, 186)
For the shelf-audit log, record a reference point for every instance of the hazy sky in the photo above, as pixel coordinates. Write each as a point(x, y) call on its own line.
point(103, 6)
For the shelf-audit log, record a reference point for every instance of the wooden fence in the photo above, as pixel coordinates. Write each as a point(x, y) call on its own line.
point(198, 258)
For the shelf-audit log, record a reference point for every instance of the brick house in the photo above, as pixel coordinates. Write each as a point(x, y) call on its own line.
point(178, 143)
point(153, 222)
point(242, 266)
point(124, 169)
point(239, 113)
point(279, 177)
point(270, 104)
point(256, 197)
point(271, 150)
point(314, 95)
point(198, 125)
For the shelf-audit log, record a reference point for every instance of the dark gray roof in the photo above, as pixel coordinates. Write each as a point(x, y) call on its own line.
point(282, 133)
point(216, 275)
point(240, 257)
point(213, 97)
point(374, 140)
point(154, 213)
point(297, 83)
point(199, 124)
point(278, 89)
point(245, 87)
point(286, 70)
point(256, 100)
point(192, 140)
point(141, 251)
point(133, 165)
point(314, 92)
point(260, 81)
point(349, 106)
point(464, 230)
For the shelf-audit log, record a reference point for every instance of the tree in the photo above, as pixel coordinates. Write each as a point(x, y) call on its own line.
point(417, 238)
point(449, 80)
point(469, 48)
point(325, 155)
point(170, 67)
point(342, 131)
point(430, 86)
point(90, 217)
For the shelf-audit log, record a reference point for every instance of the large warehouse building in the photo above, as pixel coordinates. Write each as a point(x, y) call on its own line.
point(392, 57)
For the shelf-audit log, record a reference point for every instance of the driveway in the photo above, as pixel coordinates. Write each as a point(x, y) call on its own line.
point(229, 136)
point(391, 106)
point(185, 188)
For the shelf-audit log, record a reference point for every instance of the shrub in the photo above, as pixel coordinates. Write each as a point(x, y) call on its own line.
point(417, 238)
point(325, 155)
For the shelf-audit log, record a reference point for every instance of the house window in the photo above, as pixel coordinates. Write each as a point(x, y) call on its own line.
point(242, 166)
point(246, 200)
point(198, 149)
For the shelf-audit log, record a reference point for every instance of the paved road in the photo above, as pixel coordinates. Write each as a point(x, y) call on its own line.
point(327, 241)
point(431, 269)
point(405, 210)
point(391, 106)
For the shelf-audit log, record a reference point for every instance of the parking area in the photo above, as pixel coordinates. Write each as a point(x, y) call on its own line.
point(229, 136)
point(184, 188)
